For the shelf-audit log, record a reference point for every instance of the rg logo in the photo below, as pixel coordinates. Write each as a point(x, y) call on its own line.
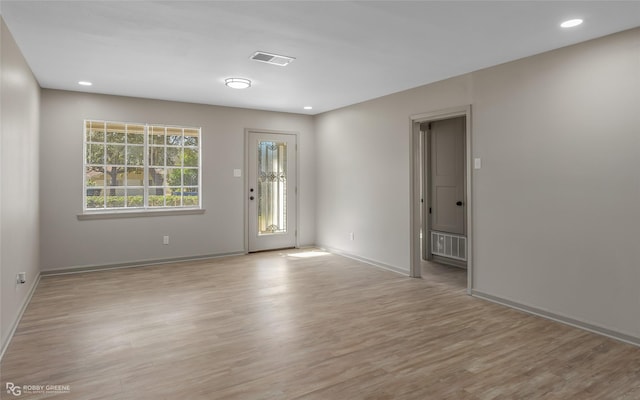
point(13, 389)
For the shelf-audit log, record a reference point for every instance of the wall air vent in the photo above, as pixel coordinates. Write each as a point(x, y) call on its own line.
point(270, 58)
point(449, 245)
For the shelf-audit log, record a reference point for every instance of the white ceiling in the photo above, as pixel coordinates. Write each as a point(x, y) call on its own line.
point(346, 52)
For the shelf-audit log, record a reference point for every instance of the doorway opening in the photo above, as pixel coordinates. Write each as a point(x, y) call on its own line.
point(271, 190)
point(441, 190)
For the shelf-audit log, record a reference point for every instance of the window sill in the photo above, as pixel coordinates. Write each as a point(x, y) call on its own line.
point(138, 214)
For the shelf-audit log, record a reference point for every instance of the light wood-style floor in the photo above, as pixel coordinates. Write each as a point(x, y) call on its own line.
point(274, 326)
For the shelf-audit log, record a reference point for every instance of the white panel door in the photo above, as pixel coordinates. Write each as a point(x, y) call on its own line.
point(271, 191)
point(447, 176)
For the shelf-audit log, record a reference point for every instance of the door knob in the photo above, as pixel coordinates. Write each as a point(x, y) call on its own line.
point(251, 198)
point(459, 203)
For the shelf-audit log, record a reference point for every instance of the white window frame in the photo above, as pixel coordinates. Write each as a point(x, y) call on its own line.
point(145, 187)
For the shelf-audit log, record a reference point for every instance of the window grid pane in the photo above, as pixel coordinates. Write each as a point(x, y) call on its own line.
point(137, 166)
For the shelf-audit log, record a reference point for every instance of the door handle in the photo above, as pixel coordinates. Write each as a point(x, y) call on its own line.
point(459, 203)
point(251, 198)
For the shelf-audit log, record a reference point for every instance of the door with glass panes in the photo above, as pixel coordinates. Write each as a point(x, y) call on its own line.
point(271, 190)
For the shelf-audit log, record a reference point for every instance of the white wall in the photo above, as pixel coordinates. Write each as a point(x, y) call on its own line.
point(19, 141)
point(556, 217)
point(67, 242)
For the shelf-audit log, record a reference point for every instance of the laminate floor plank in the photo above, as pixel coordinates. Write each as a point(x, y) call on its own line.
point(275, 325)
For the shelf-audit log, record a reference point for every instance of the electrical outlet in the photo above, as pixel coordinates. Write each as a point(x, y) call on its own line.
point(21, 278)
point(351, 236)
point(165, 240)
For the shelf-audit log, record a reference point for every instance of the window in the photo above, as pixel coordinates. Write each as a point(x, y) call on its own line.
point(140, 166)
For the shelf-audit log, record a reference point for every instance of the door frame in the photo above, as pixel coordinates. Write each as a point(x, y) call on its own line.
point(245, 202)
point(417, 159)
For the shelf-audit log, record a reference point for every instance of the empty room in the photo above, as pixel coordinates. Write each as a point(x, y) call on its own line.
point(320, 200)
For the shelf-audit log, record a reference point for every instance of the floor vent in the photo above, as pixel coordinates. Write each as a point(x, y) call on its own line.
point(449, 245)
point(273, 59)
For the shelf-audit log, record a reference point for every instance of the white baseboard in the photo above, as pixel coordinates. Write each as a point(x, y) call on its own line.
point(559, 318)
point(135, 264)
point(14, 326)
point(404, 272)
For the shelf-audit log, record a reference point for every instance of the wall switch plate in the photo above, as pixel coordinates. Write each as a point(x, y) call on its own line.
point(237, 173)
point(477, 163)
point(351, 236)
point(165, 240)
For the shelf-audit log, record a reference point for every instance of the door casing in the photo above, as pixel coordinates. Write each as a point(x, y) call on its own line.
point(417, 207)
point(247, 184)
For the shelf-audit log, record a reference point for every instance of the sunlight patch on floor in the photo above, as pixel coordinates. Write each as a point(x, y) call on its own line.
point(309, 254)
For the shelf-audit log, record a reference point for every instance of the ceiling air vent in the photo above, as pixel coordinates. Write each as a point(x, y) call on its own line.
point(274, 59)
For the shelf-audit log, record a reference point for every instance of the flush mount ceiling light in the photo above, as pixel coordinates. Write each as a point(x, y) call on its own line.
point(308, 108)
point(571, 23)
point(273, 59)
point(237, 83)
point(85, 83)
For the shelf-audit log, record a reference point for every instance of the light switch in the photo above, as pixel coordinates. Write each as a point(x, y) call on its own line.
point(237, 173)
point(477, 163)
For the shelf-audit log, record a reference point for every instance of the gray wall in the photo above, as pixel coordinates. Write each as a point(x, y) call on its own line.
point(19, 137)
point(67, 242)
point(363, 171)
point(555, 205)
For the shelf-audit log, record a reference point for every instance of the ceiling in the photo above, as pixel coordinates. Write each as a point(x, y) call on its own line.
point(346, 51)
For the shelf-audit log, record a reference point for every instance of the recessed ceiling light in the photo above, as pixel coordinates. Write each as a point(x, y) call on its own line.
point(571, 23)
point(308, 108)
point(237, 83)
point(85, 83)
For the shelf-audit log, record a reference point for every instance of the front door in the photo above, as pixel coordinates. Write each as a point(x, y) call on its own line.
point(271, 191)
point(447, 150)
